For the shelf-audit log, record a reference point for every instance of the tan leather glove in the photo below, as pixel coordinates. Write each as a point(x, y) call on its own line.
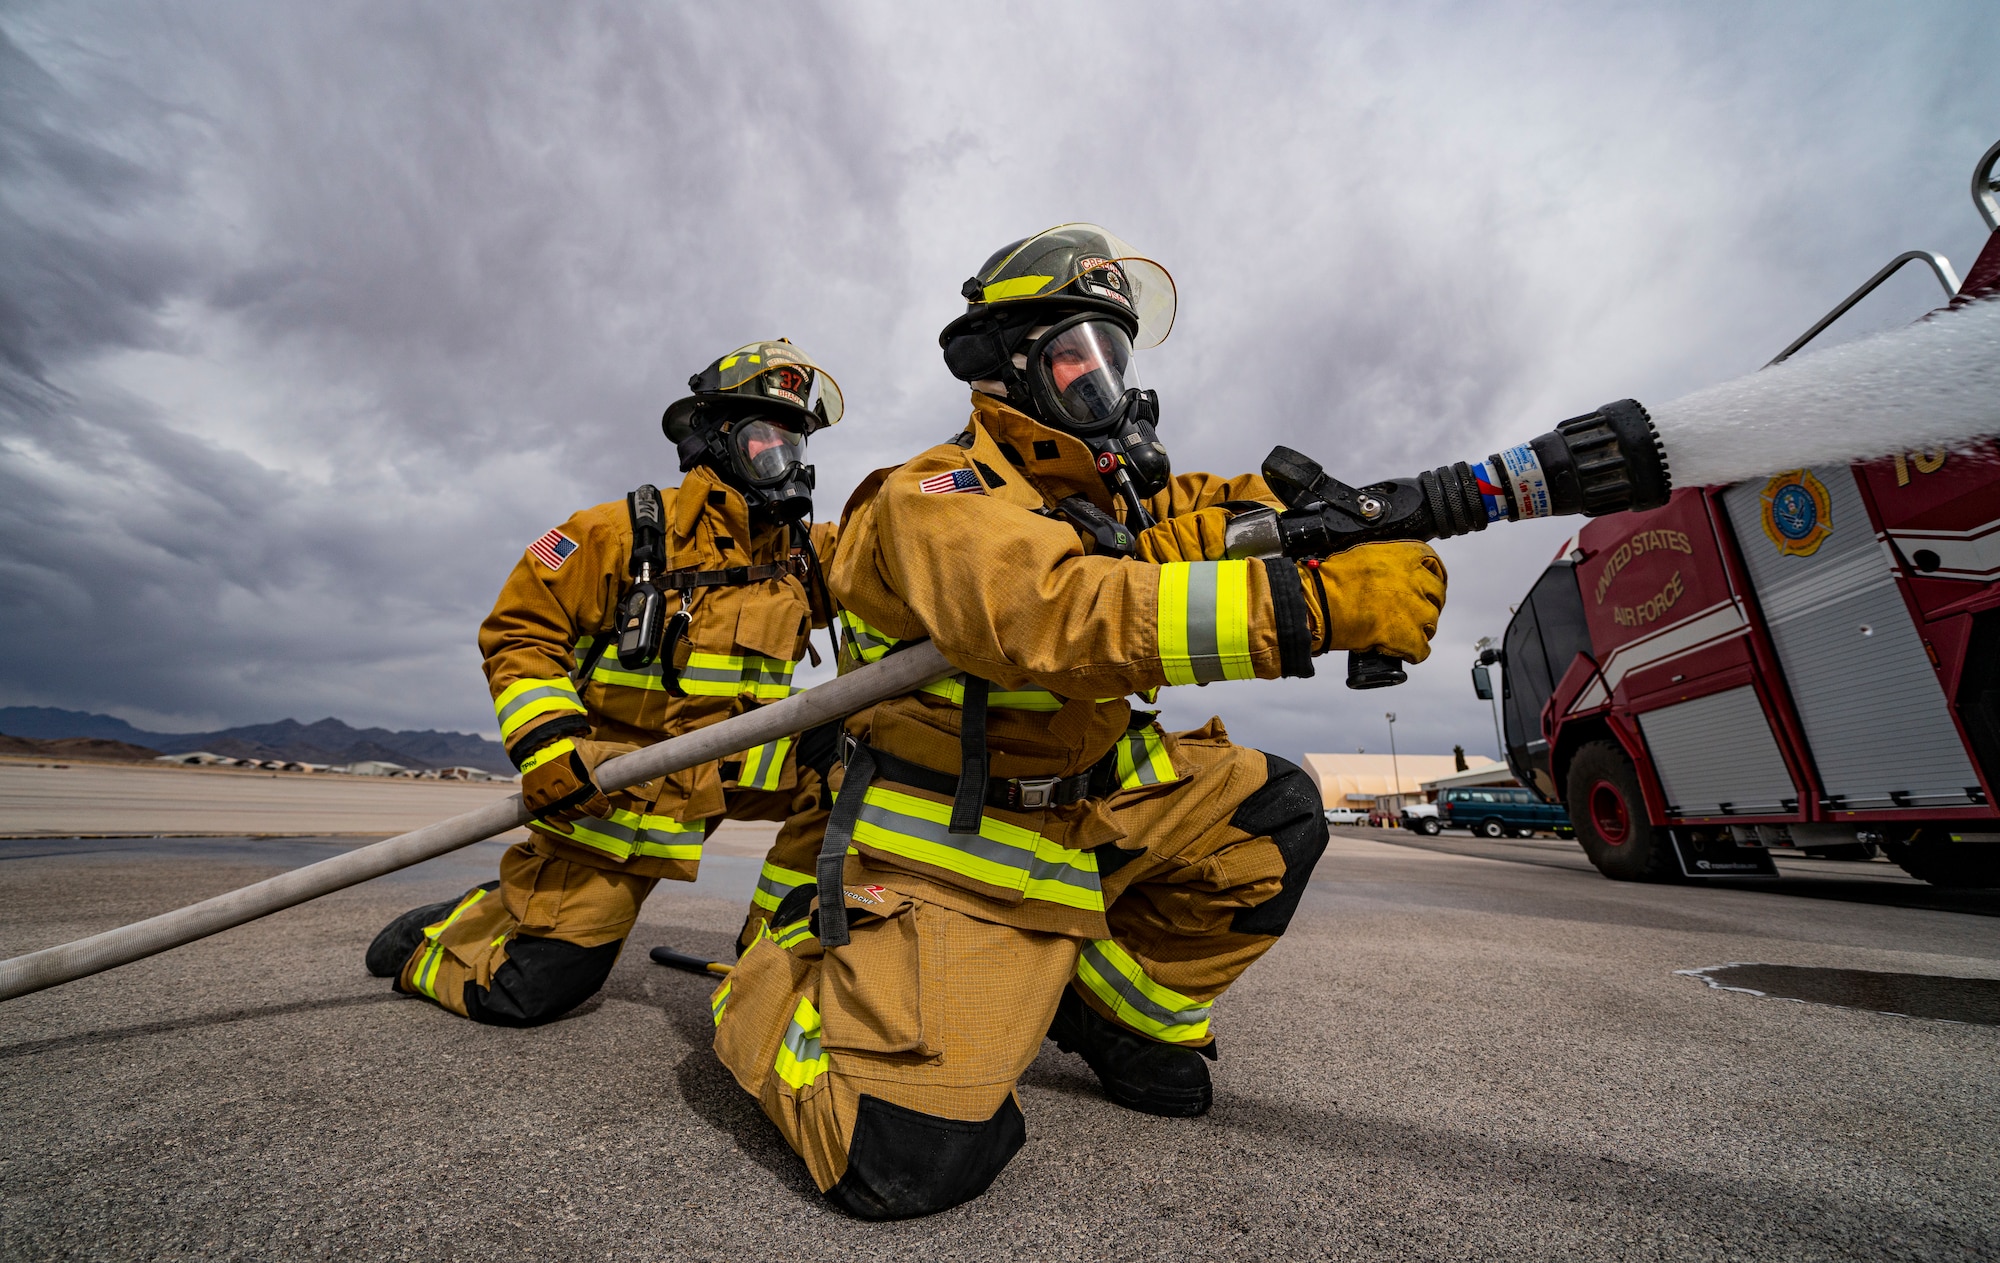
point(1195, 536)
point(556, 784)
point(1380, 597)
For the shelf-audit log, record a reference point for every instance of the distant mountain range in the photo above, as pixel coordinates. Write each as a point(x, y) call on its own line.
point(328, 741)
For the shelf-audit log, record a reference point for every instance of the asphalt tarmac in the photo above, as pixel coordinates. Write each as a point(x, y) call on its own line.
point(1462, 1050)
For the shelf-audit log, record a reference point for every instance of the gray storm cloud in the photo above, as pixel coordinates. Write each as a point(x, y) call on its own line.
point(312, 316)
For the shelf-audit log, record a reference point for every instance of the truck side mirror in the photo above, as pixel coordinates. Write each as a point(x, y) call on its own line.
point(1482, 684)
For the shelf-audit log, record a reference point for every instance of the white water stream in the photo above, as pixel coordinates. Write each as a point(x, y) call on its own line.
point(1933, 385)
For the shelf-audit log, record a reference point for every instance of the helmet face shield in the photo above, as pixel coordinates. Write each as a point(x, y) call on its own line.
point(765, 451)
point(1083, 367)
point(776, 372)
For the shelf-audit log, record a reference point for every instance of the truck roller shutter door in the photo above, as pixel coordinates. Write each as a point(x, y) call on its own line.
point(1718, 750)
point(1878, 723)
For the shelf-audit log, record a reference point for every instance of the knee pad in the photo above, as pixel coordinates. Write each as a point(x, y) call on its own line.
point(1286, 810)
point(902, 1163)
point(543, 979)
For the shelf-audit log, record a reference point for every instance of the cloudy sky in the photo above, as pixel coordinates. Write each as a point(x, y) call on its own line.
point(311, 316)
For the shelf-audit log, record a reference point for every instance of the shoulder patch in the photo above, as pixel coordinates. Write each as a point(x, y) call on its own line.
point(553, 549)
point(950, 481)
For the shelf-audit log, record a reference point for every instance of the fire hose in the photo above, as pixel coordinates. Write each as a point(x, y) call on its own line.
point(901, 672)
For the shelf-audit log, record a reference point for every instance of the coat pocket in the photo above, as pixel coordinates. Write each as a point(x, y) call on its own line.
point(773, 620)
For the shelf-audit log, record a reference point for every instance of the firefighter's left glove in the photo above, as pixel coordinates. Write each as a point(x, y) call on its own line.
point(1380, 597)
point(1196, 536)
point(556, 780)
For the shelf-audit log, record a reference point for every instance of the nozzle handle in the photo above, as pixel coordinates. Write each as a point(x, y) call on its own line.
point(1368, 670)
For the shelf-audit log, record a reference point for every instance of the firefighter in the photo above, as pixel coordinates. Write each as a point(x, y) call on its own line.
point(584, 664)
point(1018, 850)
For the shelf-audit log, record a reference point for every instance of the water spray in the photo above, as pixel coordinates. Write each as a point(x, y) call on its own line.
point(1934, 385)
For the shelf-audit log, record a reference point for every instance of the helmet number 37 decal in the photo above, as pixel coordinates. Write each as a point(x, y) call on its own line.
point(1798, 513)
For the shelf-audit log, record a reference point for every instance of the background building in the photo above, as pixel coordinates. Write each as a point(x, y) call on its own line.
point(1382, 782)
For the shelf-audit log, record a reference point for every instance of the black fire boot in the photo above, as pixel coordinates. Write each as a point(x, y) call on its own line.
point(1138, 1073)
point(393, 946)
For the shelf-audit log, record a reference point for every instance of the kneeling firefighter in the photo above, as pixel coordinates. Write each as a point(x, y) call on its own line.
point(632, 622)
point(1018, 850)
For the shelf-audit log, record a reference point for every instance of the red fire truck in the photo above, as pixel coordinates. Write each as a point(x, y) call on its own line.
point(1807, 661)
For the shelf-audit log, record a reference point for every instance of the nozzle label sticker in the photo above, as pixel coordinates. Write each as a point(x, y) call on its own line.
point(1531, 485)
point(1490, 493)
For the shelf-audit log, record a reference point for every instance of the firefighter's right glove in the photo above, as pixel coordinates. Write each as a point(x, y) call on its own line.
point(556, 783)
point(1196, 536)
point(1379, 597)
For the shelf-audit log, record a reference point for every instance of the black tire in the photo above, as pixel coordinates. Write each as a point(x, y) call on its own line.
point(1610, 817)
point(1492, 828)
point(1942, 862)
point(1430, 828)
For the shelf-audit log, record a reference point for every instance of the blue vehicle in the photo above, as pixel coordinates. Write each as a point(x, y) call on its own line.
point(1498, 812)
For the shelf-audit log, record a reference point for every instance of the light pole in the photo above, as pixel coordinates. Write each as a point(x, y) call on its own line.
point(1395, 769)
point(1493, 699)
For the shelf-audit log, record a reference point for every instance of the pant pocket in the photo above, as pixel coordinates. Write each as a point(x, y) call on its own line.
point(871, 990)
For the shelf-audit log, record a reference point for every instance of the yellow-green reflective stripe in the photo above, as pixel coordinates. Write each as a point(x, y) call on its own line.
point(1001, 854)
point(1015, 287)
point(1115, 978)
point(719, 1001)
point(800, 1059)
point(791, 935)
point(1031, 698)
point(1204, 613)
point(523, 700)
point(425, 974)
point(629, 833)
point(707, 675)
point(553, 750)
point(774, 883)
point(869, 643)
point(764, 765)
point(1142, 759)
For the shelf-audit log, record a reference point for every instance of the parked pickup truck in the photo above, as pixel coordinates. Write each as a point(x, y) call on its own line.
point(1497, 813)
point(1346, 815)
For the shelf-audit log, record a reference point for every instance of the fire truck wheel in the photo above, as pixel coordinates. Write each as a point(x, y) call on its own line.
point(1941, 862)
point(1492, 829)
point(1610, 816)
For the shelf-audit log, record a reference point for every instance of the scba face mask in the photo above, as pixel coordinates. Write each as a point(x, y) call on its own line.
point(1080, 378)
point(762, 457)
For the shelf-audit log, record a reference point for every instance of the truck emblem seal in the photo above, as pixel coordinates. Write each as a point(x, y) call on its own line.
point(1798, 513)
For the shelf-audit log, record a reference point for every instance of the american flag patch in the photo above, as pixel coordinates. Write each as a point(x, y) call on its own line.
point(956, 480)
point(553, 549)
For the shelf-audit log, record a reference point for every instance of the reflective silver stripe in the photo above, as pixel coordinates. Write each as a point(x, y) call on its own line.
point(1142, 759)
point(765, 671)
point(1204, 652)
point(753, 765)
point(1139, 1000)
point(522, 699)
point(804, 1047)
point(979, 845)
point(777, 889)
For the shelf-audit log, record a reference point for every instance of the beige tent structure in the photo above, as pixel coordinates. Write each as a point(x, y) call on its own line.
point(1379, 781)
